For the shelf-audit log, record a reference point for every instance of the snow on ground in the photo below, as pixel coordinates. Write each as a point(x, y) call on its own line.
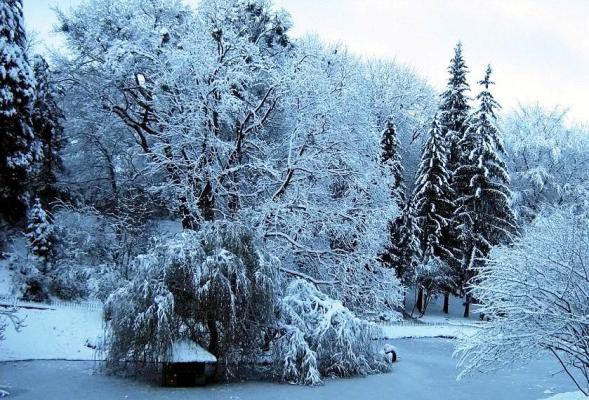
point(426, 370)
point(60, 333)
point(68, 331)
point(567, 396)
point(404, 331)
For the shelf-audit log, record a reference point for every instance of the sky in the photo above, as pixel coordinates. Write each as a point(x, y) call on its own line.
point(539, 49)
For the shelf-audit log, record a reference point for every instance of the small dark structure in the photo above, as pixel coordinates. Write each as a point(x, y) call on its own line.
point(391, 352)
point(189, 365)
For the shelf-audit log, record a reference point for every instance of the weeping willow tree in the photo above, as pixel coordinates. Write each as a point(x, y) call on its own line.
point(215, 287)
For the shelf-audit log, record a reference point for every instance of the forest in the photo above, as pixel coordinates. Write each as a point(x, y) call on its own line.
point(207, 176)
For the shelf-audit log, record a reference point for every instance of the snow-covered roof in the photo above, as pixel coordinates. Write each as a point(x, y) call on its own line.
point(188, 351)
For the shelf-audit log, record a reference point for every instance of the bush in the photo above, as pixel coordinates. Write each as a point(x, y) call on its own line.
point(318, 337)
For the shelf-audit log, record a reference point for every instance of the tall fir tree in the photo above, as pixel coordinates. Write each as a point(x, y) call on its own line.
point(390, 158)
point(484, 213)
point(454, 107)
point(403, 254)
point(40, 235)
point(434, 207)
point(47, 123)
point(18, 147)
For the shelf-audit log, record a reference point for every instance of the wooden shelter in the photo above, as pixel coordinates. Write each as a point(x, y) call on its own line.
point(188, 365)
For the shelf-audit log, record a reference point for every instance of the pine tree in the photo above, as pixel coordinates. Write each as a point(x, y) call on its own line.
point(391, 161)
point(454, 108)
point(403, 253)
point(18, 147)
point(433, 196)
point(484, 214)
point(47, 124)
point(434, 207)
point(40, 234)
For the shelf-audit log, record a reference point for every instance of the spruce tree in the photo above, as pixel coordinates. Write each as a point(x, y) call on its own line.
point(18, 147)
point(484, 214)
point(47, 123)
point(391, 161)
point(454, 108)
point(453, 123)
point(404, 251)
point(434, 207)
point(40, 235)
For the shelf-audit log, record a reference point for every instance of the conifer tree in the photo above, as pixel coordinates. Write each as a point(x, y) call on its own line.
point(484, 214)
point(453, 123)
point(47, 124)
point(40, 234)
point(434, 207)
point(404, 251)
point(391, 161)
point(454, 108)
point(18, 147)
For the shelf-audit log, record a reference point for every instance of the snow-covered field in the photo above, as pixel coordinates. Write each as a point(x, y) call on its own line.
point(59, 333)
point(72, 332)
point(426, 370)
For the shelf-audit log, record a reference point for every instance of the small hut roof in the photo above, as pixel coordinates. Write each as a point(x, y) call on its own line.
point(184, 351)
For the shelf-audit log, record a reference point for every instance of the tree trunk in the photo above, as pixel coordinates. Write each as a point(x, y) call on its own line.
point(213, 337)
point(466, 306)
point(446, 302)
point(419, 304)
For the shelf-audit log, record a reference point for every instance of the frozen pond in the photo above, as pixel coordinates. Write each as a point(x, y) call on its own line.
point(425, 371)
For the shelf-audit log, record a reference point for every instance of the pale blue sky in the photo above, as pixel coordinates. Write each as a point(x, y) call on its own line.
point(539, 48)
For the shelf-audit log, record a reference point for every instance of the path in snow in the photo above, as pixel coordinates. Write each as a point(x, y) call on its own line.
point(425, 371)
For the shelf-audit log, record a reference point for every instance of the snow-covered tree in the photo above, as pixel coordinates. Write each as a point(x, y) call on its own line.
point(395, 92)
point(454, 107)
point(484, 214)
point(403, 253)
point(40, 235)
point(246, 126)
point(216, 287)
point(548, 160)
point(391, 162)
point(434, 206)
point(47, 125)
point(318, 337)
point(18, 147)
point(535, 293)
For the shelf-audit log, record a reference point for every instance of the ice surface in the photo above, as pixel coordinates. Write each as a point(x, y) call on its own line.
point(426, 370)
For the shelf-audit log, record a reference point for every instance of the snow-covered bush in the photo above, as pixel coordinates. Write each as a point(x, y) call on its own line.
point(215, 287)
point(317, 337)
point(536, 295)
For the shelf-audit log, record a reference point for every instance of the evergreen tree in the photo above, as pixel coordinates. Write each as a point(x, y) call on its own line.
point(18, 147)
point(40, 234)
point(453, 123)
point(454, 108)
point(391, 161)
point(47, 124)
point(484, 214)
point(433, 196)
point(434, 207)
point(403, 253)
